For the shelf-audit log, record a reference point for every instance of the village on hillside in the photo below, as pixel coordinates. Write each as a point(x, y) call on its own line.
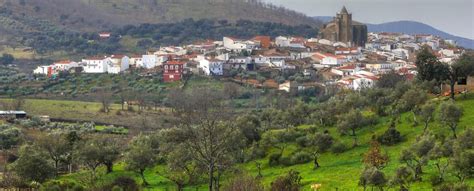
point(343, 55)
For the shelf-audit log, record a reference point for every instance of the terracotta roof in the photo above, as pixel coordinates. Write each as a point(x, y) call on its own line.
point(175, 63)
point(95, 58)
point(63, 62)
point(119, 56)
point(347, 67)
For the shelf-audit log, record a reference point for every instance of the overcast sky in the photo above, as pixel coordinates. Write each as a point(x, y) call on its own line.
point(452, 16)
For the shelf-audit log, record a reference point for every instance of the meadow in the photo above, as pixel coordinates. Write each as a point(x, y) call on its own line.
point(337, 171)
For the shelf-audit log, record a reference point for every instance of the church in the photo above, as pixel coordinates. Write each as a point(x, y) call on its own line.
point(344, 29)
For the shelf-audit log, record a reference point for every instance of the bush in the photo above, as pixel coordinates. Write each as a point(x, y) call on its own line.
point(286, 161)
point(339, 148)
point(290, 182)
point(274, 159)
point(302, 141)
point(123, 183)
point(390, 137)
point(301, 158)
point(255, 152)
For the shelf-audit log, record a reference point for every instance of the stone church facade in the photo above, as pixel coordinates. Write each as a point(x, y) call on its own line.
point(344, 29)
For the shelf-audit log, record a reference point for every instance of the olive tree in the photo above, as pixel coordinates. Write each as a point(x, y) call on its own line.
point(450, 115)
point(142, 153)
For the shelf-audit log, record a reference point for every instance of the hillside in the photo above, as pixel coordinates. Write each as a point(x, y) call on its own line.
point(93, 15)
point(338, 171)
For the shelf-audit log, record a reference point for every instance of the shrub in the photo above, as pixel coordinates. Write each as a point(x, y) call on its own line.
point(285, 161)
point(302, 141)
point(274, 159)
point(339, 148)
point(390, 137)
point(290, 182)
point(255, 152)
point(244, 182)
point(123, 183)
point(301, 158)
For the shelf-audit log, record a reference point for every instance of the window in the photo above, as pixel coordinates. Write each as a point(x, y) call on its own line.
point(171, 76)
point(166, 67)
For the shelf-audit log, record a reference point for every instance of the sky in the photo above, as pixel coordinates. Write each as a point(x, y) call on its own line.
point(452, 16)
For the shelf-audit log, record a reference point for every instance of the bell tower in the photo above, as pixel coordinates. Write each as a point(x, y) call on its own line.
point(344, 26)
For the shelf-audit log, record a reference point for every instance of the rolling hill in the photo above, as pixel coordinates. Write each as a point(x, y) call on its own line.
point(93, 15)
point(410, 27)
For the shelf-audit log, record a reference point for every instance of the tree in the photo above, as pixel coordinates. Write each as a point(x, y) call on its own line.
point(460, 69)
point(372, 177)
point(428, 66)
point(390, 80)
point(89, 154)
point(374, 156)
point(417, 156)
point(426, 114)
point(403, 178)
point(110, 151)
point(462, 164)
point(7, 59)
point(450, 115)
point(57, 147)
point(105, 98)
point(412, 100)
point(319, 142)
point(351, 121)
point(142, 154)
point(290, 182)
point(440, 153)
point(9, 137)
point(33, 165)
point(206, 130)
point(391, 136)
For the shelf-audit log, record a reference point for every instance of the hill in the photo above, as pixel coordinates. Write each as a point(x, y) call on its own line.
point(93, 15)
point(412, 27)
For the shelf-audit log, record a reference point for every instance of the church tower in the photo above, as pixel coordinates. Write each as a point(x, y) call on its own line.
point(344, 26)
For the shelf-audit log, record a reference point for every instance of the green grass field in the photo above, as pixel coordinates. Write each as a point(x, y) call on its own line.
point(337, 172)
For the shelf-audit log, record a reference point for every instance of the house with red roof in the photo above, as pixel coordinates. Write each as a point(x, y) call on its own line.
point(173, 71)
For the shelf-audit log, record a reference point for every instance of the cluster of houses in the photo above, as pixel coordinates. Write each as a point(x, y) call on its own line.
point(339, 63)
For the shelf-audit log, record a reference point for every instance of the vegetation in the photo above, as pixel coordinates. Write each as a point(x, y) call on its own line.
point(213, 144)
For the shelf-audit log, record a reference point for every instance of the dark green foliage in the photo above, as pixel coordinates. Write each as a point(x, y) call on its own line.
point(58, 185)
point(428, 66)
point(339, 147)
point(9, 136)
point(6, 59)
point(373, 177)
point(124, 183)
point(33, 165)
point(290, 182)
point(300, 157)
point(390, 80)
point(274, 159)
point(391, 136)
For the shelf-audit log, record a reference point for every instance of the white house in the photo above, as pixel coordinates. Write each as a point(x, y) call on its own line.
point(64, 65)
point(282, 41)
point(152, 60)
point(212, 67)
point(136, 60)
point(118, 63)
point(234, 44)
point(329, 59)
point(44, 70)
point(96, 64)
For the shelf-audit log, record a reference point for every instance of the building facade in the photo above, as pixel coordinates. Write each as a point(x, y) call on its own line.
point(344, 29)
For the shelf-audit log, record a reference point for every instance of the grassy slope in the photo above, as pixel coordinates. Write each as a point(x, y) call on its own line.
point(339, 171)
